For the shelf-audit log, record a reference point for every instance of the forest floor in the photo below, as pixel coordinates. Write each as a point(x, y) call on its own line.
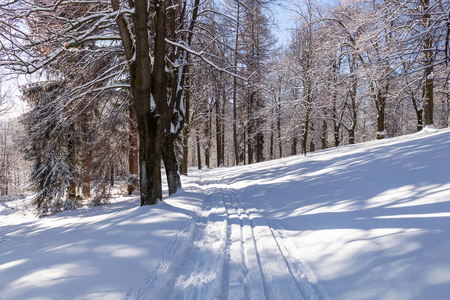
point(366, 221)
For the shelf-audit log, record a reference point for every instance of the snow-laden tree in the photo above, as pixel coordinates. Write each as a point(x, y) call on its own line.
point(150, 43)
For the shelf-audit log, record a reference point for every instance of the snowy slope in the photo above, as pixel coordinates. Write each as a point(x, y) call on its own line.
point(366, 221)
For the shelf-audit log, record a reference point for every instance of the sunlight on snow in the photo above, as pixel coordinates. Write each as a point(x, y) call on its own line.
point(12, 264)
point(52, 275)
point(121, 251)
point(343, 252)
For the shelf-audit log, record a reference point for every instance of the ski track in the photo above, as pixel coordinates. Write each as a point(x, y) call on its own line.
point(229, 250)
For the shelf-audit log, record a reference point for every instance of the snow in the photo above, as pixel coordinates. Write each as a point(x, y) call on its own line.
point(365, 221)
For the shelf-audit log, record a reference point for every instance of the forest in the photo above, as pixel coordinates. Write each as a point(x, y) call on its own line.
point(118, 89)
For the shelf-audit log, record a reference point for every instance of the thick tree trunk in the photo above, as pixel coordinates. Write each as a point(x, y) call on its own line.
point(149, 159)
point(171, 164)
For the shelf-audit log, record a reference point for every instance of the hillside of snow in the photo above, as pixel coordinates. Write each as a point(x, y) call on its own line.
point(366, 221)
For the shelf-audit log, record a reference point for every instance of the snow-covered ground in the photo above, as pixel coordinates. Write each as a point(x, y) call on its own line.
point(367, 221)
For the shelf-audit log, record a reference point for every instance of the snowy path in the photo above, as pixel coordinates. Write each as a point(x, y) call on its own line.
point(227, 251)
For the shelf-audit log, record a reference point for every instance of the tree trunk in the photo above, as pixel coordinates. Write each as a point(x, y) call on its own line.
point(294, 146)
point(133, 153)
point(199, 154)
point(186, 129)
point(86, 186)
point(171, 164)
point(381, 130)
point(280, 146)
point(143, 86)
point(111, 175)
point(149, 159)
point(428, 55)
point(251, 126)
point(72, 189)
point(351, 136)
point(323, 138)
point(305, 136)
point(271, 153)
point(236, 46)
point(336, 134)
point(218, 133)
point(208, 139)
point(259, 146)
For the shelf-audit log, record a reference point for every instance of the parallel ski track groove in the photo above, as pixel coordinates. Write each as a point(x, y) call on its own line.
point(278, 246)
point(248, 257)
point(258, 258)
point(307, 289)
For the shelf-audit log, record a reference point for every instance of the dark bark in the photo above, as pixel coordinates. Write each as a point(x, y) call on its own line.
point(72, 189)
point(235, 140)
point(323, 137)
point(142, 86)
point(294, 146)
point(250, 127)
point(150, 159)
point(199, 154)
point(111, 175)
point(171, 164)
point(208, 139)
point(133, 154)
point(380, 104)
point(218, 132)
point(381, 107)
point(271, 152)
point(186, 130)
point(86, 157)
point(336, 134)
point(259, 146)
point(351, 136)
point(419, 114)
point(280, 146)
point(428, 60)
